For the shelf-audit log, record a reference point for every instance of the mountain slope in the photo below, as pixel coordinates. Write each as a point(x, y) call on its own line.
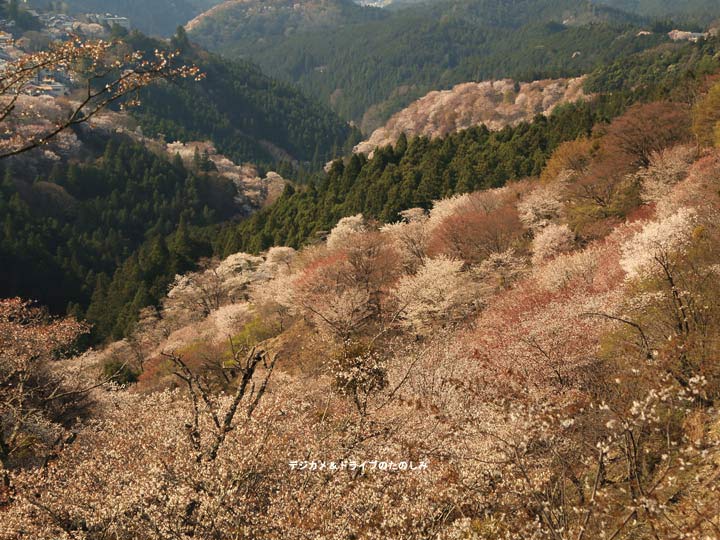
point(418, 171)
point(245, 27)
point(101, 220)
point(367, 71)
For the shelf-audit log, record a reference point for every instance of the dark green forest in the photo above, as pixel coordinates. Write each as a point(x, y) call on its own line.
point(671, 70)
point(687, 11)
point(66, 236)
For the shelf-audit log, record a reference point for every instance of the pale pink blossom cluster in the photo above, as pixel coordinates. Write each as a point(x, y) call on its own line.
point(551, 241)
point(659, 241)
point(345, 230)
point(439, 291)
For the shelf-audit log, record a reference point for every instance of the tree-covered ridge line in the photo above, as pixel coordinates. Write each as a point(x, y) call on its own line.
point(256, 24)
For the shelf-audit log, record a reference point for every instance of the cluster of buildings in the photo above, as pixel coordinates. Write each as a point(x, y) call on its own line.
point(47, 85)
point(8, 50)
point(59, 25)
point(108, 19)
point(56, 26)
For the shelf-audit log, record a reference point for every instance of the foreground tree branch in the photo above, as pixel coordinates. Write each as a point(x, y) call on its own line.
point(200, 393)
point(105, 69)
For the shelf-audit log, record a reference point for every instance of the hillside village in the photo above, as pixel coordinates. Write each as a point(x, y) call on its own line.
point(47, 27)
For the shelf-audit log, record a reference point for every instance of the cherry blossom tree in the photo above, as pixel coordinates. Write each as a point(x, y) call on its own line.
point(666, 169)
point(659, 245)
point(344, 291)
point(541, 206)
point(108, 71)
point(439, 292)
point(346, 229)
point(37, 403)
point(410, 237)
point(551, 241)
point(476, 229)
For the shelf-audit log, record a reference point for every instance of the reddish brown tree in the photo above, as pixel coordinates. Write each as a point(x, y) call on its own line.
point(648, 128)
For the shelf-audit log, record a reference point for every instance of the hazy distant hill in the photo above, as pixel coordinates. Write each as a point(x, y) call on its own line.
point(695, 10)
point(244, 27)
point(700, 11)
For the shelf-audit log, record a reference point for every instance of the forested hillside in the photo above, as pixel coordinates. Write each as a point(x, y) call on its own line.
point(697, 11)
point(367, 71)
point(248, 115)
point(254, 25)
point(413, 174)
point(65, 235)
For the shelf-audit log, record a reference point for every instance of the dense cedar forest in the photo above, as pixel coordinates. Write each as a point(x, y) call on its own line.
point(65, 236)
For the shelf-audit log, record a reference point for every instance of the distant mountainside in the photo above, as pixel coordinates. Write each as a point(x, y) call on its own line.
point(244, 27)
point(155, 17)
point(699, 11)
point(495, 104)
point(368, 70)
point(682, 10)
point(246, 114)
